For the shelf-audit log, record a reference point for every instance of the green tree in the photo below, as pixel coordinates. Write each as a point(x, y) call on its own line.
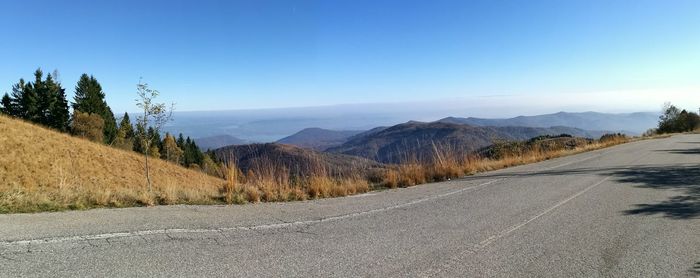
point(125, 134)
point(181, 141)
point(90, 98)
point(139, 136)
point(56, 105)
point(24, 100)
point(193, 155)
point(7, 105)
point(676, 120)
point(43, 102)
point(157, 143)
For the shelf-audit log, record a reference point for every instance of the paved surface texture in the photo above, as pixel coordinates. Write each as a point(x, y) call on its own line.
point(628, 211)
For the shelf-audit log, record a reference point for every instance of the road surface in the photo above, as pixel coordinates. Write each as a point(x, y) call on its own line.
point(628, 211)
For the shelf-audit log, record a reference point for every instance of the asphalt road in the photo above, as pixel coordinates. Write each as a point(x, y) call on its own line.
point(628, 211)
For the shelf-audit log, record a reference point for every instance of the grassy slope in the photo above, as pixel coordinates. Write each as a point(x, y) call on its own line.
point(44, 170)
point(41, 170)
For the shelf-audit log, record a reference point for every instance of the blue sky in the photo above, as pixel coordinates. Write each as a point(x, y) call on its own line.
point(214, 55)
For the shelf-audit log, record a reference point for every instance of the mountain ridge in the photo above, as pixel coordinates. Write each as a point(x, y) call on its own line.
point(633, 123)
point(420, 141)
point(319, 139)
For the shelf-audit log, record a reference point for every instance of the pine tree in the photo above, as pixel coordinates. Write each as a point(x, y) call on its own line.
point(57, 110)
point(139, 135)
point(181, 141)
point(44, 99)
point(189, 156)
point(7, 105)
point(192, 153)
point(125, 125)
point(89, 98)
point(43, 102)
point(125, 134)
point(157, 142)
point(24, 100)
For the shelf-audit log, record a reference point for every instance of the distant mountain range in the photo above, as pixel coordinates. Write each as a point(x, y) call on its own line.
point(416, 140)
point(264, 158)
point(270, 125)
point(419, 141)
point(218, 141)
point(630, 123)
point(318, 138)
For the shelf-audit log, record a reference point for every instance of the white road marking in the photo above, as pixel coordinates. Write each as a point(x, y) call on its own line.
point(295, 223)
point(491, 239)
point(243, 228)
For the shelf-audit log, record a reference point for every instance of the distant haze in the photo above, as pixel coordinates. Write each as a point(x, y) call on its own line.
point(268, 125)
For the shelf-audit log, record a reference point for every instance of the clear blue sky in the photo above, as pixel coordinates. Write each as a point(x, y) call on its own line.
point(213, 55)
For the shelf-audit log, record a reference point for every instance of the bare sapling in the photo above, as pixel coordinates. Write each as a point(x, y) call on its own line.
point(155, 116)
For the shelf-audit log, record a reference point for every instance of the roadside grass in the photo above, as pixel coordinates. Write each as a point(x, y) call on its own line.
point(446, 166)
point(44, 170)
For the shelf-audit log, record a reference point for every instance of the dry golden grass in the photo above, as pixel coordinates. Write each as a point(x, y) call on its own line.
point(43, 170)
point(446, 165)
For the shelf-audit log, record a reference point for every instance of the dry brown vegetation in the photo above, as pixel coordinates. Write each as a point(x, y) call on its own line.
point(44, 170)
point(446, 165)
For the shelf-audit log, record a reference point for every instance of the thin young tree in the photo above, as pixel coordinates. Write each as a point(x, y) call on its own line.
point(155, 115)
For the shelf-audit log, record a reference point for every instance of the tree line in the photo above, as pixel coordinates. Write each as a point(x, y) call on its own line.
point(43, 101)
point(674, 120)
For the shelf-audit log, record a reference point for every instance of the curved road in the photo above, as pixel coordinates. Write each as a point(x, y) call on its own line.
point(628, 211)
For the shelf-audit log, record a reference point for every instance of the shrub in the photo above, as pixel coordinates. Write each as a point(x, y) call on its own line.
point(89, 126)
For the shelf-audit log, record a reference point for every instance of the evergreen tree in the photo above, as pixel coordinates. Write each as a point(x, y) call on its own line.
point(189, 156)
point(43, 102)
point(7, 105)
point(125, 134)
point(90, 98)
point(57, 108)
point(44, 99)
point(125, 125)
point(24, 100)
point(192, 153)
point(198, 155)
point(181, 142)
point(157, 142)
point(139, 135)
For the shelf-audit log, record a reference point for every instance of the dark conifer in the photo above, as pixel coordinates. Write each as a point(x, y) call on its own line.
point(89, 98)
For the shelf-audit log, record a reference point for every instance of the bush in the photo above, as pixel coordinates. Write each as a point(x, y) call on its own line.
point(89, 126)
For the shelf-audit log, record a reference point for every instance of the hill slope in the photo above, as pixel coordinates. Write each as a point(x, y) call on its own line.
point(631, 123)
point(41, 169)
point(419, 141)
point(317, 138)
point(270, 158)
point(218, 141)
